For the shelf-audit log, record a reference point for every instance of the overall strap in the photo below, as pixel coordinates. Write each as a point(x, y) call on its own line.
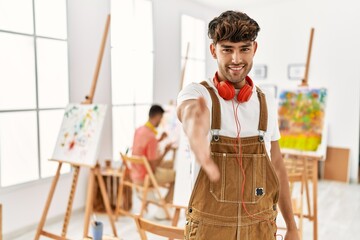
point(216, 113)
point(263, 119)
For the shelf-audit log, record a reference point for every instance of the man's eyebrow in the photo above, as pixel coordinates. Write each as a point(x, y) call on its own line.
point(242, 46)
point(226, 46)
point(246, 45)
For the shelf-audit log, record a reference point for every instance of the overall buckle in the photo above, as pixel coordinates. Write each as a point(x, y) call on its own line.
point(215, 134)
point(261, 136)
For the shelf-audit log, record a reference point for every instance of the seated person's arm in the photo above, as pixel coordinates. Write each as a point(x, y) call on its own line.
point(156, 161)
point(163, 136)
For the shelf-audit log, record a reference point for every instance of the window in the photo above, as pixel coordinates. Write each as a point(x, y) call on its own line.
point(131, 68)
point(193, 34)
point(34, 87)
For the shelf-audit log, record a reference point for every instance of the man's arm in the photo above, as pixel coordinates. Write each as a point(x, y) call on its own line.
point(195, 118)
point(284, 198)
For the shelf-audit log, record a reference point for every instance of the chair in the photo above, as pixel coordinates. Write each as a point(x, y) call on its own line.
point(157, 229)
point(176, 216)
point(150, 184)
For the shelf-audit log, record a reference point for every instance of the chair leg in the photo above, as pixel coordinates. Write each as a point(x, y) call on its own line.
point(175, 219)
point(141, 232)
point(163, 203)
point(144, 197)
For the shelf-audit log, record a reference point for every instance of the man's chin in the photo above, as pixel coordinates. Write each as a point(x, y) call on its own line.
point(236, 80)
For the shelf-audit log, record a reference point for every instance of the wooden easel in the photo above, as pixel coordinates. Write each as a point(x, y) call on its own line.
point(95, 171)
point(311, 172)
point(183, 70)
point(305, 80)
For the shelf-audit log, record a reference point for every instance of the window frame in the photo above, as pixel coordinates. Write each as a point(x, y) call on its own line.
point(190, 58)
point(37, 109)
point(134, 103)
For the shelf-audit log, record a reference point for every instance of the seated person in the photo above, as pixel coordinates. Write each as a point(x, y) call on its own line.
point(146, 144)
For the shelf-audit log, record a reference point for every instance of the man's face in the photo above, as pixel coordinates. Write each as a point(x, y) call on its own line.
point(157, 119)
point(234, 60)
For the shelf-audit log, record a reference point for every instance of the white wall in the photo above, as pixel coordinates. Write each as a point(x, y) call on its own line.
point(167, 29)
point(283, 39)
point(23, 204)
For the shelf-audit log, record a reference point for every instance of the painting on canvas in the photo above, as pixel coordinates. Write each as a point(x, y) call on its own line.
point(302, 118)
point(79, 137)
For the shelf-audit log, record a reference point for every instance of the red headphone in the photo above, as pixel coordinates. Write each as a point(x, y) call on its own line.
point(227, 91)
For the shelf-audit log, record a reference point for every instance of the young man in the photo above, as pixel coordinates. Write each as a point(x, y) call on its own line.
point(146, 144)
point(233, 131)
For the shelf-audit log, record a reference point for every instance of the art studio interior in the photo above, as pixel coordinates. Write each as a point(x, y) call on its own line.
point(85, 84)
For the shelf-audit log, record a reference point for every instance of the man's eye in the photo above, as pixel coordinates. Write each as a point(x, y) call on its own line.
point(227, 50)
point(245, 49)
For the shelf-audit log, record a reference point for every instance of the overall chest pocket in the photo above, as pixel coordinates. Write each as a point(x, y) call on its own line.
point(230, 186)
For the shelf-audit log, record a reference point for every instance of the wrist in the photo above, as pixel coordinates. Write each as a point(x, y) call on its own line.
point(291, 227)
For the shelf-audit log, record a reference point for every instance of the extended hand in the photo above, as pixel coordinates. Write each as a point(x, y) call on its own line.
point(197, 125)
point(292, 235)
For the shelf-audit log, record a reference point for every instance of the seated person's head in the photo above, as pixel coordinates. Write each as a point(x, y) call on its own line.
point(155, 115)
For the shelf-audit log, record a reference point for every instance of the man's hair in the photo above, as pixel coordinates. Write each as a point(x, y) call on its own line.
point(155, 110)
point(234, 27)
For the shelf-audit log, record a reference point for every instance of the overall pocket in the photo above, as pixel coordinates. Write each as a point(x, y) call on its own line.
point(230, 186)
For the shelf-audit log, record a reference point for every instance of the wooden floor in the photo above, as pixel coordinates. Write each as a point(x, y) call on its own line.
point(338, 206)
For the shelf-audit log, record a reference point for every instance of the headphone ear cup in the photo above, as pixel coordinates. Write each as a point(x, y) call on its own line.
point(226, 90)
point(245, 93)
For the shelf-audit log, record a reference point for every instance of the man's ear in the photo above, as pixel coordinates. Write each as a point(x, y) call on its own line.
point(255, 46)
point(212, 50)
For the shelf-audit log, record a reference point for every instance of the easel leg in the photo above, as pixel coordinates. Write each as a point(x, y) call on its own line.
point(119, 200)
point(105, 199)
point(48, 201)
point(70, 202)
point(315, 183)
point(0, 222)
point(89, 202)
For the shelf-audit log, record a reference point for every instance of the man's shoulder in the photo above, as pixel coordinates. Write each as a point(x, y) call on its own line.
point(193, 91)
point(201, 85)
point(143, 130)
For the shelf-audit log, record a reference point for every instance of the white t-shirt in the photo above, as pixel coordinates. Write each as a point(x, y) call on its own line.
point(187, 168)
point(247, 113)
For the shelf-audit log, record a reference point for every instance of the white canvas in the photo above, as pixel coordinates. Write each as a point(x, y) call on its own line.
point(186, 172)
point(80, 133)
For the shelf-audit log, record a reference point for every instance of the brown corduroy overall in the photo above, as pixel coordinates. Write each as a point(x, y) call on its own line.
point(216, 209)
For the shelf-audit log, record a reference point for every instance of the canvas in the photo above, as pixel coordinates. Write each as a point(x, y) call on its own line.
point(302, 118)
point(79, 137)
point(170, 124)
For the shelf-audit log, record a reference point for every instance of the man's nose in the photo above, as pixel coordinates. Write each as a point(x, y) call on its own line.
point(236, 58)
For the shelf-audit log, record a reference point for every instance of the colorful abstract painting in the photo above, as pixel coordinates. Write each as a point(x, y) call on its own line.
point(301, 118)
point(79, 137)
